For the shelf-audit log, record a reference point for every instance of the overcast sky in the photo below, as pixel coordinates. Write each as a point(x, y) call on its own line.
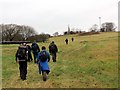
point(51, 16)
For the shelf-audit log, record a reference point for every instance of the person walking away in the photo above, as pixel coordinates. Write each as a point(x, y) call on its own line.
point(35, 50)
point(21, 58)
point(53, 50)
point(29, 53)
point(43, 59)
point(72, 39)
point(66, 40)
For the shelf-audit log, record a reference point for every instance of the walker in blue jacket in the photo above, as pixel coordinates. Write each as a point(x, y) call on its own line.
point(43, 66)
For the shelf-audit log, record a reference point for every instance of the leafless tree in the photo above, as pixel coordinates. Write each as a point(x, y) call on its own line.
point(56, 34)
point(94, 28)
point(11, 31)
point(108, 27)
point(27, 31)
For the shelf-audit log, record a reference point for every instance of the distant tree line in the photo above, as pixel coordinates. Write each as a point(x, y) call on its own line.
point(14, 32)
point(73, 32)
point(105, 27)
point(39, 38)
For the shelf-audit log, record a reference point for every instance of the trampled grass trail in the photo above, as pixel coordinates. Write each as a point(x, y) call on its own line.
point(88, 62)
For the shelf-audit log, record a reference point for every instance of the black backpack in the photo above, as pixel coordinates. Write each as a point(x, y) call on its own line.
point(52, 47)
point(22, 52)
point(43, 56)
point(34, 47)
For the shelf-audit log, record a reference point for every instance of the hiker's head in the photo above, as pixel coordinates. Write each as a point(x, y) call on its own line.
point(43, 47)
point(52, 41)
point(34, 42)
point(24, 44)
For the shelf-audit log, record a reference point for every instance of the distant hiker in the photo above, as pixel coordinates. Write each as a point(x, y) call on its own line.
point(66, 40)
point(43, 59)
point(29, 53)
point(53, 50)
point(35, 50)
point(43, 41)
point(72, 39)
point(21, 58)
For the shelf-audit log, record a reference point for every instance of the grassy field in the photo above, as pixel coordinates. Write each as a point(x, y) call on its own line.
point(88, 62)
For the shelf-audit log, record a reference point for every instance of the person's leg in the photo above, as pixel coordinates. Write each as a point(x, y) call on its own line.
point(54, 57)
point(44, 75)
point(34, 58)
point(39, 68)
point(28, 59)
point(67, 43)
point(30, 56)
point(20, 69)
point(24, 70)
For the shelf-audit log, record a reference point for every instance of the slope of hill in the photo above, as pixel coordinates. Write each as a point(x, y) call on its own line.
point(88, 62)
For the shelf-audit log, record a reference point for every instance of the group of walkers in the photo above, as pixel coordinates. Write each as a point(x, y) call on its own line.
point(66, 40)
point(41, 58)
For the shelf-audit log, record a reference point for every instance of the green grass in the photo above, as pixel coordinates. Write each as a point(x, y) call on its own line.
point(90, 62)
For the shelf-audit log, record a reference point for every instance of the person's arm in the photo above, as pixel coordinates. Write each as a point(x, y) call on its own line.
point(38, 48)
point(38, 60)
point(56, 48)
point(27, 51)
point(31, 48)
point(49, 48)
point(16, 56)
point(48, 55)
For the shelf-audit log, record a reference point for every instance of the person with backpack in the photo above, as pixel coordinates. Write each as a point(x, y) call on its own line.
point(21, 58)
point(66, 40)
point(53, 50)
point(72, 39)
point(35, 50)
point(43, 59)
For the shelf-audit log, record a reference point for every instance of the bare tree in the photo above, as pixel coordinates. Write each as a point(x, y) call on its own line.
point(108, 27)
point(94, 28)
point(27, 31)
point(11, 31)
point(56, 34)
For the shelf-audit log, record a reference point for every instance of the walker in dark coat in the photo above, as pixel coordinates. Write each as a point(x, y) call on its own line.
point(22, 62)
point(35, 50)
point(66, 40)
point(53, 50)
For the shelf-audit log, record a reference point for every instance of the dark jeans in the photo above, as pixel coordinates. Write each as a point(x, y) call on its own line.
point(23, 69)
point(53, 57)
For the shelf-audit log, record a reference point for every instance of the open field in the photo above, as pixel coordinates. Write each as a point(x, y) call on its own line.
point(88, 62)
